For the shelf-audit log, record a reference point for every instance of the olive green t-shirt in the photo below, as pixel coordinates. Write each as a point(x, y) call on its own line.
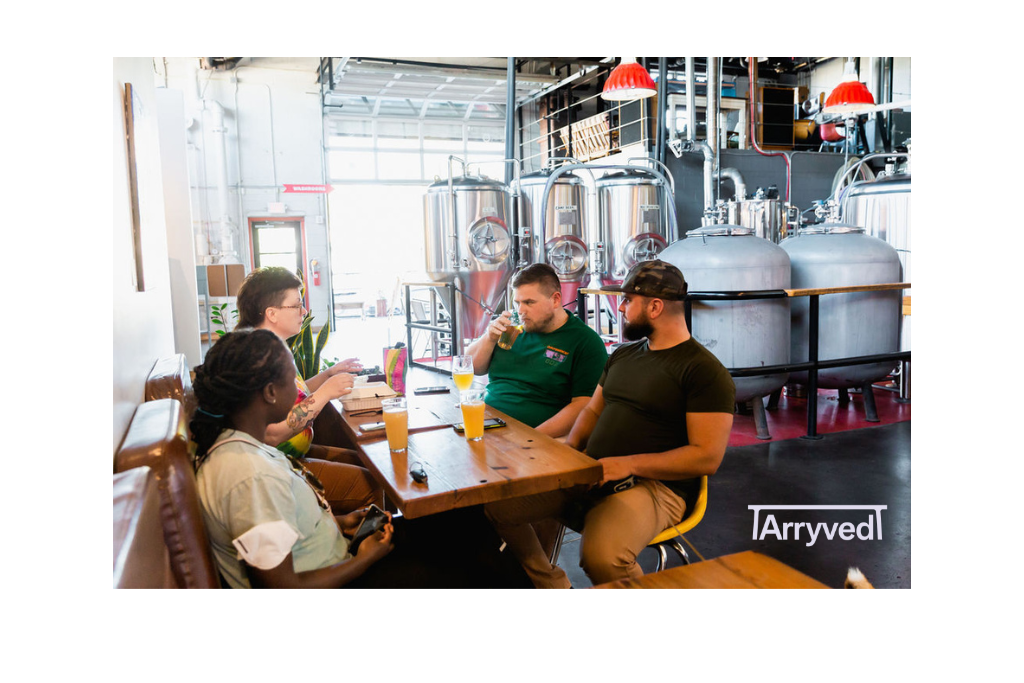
point(542, 373)
point(647, 395)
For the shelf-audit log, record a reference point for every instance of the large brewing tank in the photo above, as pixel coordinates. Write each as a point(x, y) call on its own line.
point(741, 334)
point(633, 219)
point(764, 214)
point(564, 229)
point(474, 250)
point(852, 324)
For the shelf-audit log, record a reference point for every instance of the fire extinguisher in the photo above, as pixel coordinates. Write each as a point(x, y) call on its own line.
point(314, 269)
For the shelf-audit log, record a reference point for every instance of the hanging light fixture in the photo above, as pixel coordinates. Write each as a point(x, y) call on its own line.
point(628, 81)
point(850, 95)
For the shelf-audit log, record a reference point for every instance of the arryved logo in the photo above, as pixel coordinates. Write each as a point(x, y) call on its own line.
point(864, 530)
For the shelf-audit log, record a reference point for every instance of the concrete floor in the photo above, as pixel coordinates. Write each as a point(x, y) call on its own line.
point(869, 466)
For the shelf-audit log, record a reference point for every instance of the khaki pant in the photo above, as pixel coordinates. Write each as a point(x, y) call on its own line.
point(346, 487)
point(615, 530)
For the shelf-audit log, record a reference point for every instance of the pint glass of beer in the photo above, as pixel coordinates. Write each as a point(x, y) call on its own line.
point(472, 402)
point(508, 337)
point(396, 423)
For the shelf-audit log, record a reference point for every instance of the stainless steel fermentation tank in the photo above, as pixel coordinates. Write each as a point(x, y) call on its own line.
point(849, 325)
point(766, 217)
point(635, 211)
point(468, 242)
point(741, 333)
point(949, 228)
point(562, 226)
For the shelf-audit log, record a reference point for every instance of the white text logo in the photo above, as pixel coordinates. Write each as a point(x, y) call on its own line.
point(864, 530)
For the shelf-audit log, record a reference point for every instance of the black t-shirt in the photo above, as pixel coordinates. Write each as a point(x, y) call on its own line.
point(647, 395)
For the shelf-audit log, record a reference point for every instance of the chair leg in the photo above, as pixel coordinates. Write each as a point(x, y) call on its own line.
point(557, 548)
point(678, 547)
point(662, 557)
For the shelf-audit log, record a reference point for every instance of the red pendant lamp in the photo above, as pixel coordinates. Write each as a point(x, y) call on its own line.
point(850, 95)
point(628, 81)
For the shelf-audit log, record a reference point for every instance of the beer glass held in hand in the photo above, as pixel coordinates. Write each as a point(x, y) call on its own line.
point(472, 402)
point(508, 337)
point(396, 423)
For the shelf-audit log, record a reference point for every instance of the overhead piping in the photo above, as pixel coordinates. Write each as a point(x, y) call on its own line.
point(752, 67)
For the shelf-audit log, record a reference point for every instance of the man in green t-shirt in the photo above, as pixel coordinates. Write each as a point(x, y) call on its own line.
point(658, 421)
point(552, 369)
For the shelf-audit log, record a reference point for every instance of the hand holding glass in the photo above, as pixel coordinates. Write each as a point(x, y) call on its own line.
point(508, 337)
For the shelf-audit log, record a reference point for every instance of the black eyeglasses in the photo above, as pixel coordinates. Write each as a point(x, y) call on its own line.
point(301, 307)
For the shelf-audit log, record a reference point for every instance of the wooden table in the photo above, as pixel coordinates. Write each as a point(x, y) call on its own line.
point(511, 461)
point(749, 569)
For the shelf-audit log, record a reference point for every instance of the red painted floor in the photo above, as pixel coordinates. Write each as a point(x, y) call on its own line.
point(789, 420)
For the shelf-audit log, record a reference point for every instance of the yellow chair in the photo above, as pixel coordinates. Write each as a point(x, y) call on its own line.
point(669, 538)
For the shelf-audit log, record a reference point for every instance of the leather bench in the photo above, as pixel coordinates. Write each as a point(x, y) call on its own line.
point(157, 438)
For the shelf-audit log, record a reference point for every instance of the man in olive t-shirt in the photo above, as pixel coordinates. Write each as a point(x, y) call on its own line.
point(658, 421)
point(553, 367)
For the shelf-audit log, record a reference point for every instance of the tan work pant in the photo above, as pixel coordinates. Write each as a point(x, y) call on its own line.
point(615, 530)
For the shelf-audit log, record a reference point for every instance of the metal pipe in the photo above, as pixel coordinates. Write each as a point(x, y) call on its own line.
point(510, 128)
point(691, 101)
point(737, 181)
point(662, 106)
point(714, 95)
point(453, 252)
point(225, 230)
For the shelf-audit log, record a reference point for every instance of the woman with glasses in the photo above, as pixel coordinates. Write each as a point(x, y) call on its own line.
point(268, 522)
point(270, 299)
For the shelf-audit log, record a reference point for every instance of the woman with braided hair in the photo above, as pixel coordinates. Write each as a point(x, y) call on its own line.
point(269, 523)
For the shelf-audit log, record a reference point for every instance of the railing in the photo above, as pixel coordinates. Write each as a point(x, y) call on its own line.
point(437, 329)
point(813, 364)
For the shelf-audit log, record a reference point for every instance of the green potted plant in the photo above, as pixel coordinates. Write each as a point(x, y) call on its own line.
point(219, 316)
point(306, 350)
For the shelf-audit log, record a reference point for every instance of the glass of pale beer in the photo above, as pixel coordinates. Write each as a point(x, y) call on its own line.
point(472, 402)
point(508, 337)
point(396, 423)
point(462, 372)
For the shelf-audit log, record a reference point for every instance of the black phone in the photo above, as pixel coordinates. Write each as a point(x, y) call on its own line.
point(489, 423)
point(374, 521)
point(431, 390)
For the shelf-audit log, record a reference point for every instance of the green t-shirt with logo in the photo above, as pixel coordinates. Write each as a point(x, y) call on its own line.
point(542, 373)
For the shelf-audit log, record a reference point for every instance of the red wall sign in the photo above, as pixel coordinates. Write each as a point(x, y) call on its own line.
point(316, 189)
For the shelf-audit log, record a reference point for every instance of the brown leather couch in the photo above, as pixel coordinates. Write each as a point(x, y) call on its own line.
point(140, 555)
point(170, 378)
point(158, 439)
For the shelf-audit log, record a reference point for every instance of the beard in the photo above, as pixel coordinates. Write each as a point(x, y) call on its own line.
point(635, 330)
point(539, 325)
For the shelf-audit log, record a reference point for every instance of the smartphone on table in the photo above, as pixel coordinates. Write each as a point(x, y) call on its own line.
point(489, 423)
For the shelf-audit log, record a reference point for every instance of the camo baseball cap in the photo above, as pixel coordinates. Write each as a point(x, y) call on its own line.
point(656, 279)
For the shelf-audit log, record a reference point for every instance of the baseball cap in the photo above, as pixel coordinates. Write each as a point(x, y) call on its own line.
point(655, 278)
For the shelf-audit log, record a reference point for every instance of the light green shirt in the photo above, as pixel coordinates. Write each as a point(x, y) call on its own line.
point(245, 483)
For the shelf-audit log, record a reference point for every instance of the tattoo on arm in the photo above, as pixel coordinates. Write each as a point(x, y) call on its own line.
point(302, 414)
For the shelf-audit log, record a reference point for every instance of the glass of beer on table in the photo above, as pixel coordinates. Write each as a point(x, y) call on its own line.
point(472, 402)
point(508, 337)
point(462, 372)
point(396, 423)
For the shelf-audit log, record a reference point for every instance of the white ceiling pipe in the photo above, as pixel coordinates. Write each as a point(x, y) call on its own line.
point(225, 233)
